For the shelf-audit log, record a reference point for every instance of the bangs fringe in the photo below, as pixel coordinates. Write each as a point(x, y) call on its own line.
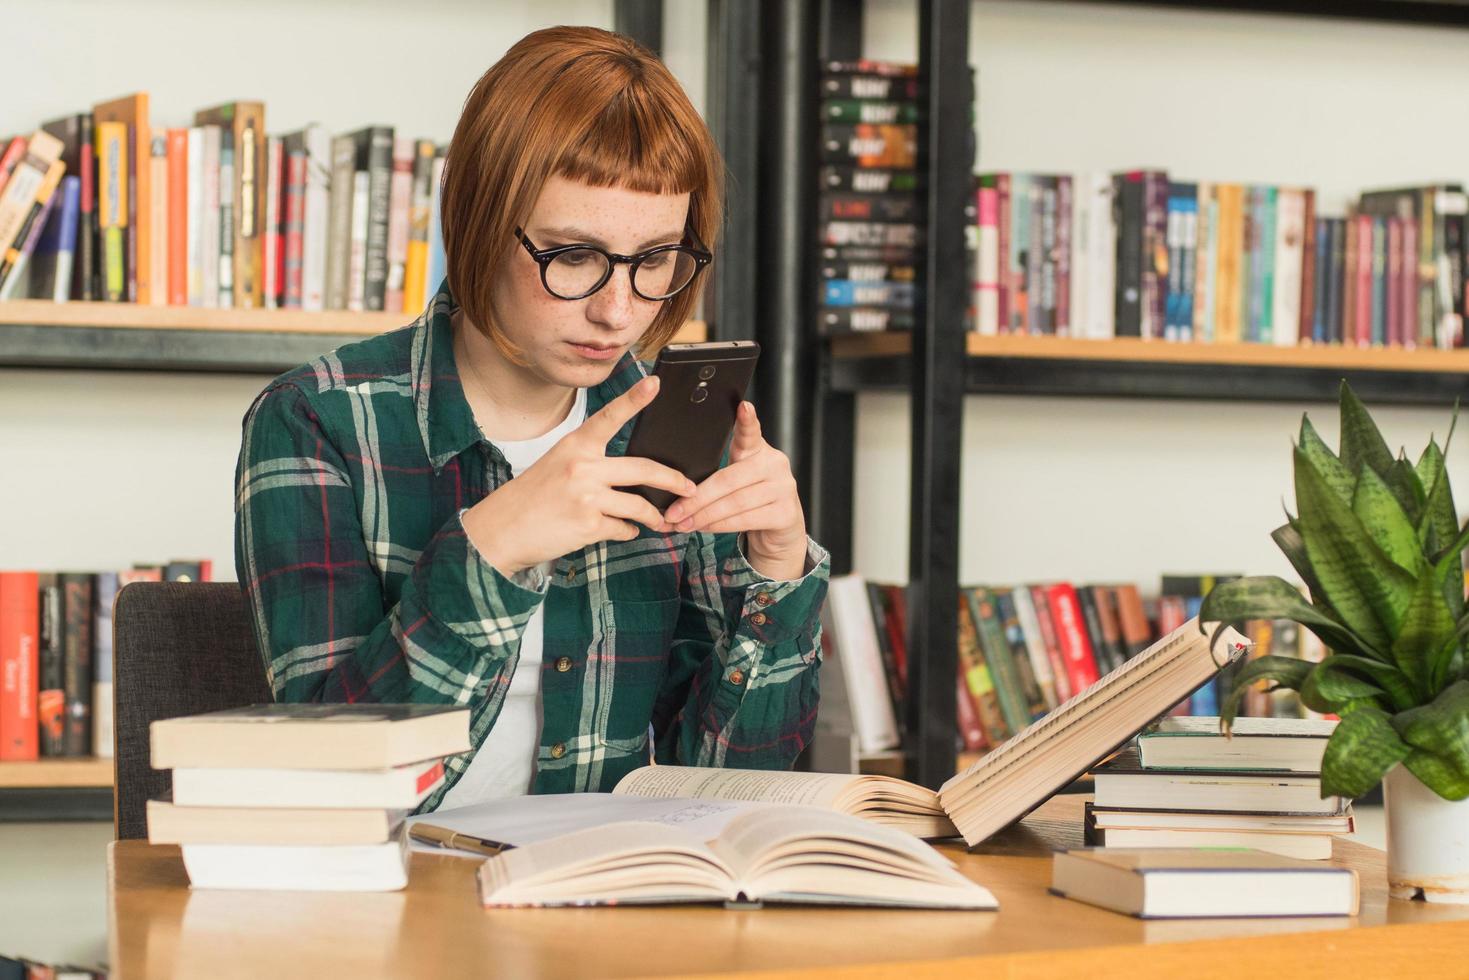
point(637, 144)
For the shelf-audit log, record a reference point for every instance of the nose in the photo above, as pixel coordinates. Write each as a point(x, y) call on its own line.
point(615, 305)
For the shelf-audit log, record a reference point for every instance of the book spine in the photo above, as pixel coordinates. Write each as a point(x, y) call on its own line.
point(1173, 293)
point(415, 273)
point(897, 620)
point(1336, 244)
point(886, 650)
point(1079, 311)
point(1091, 618)
point(1310, 264)
point(1071, 635)
point(130, 232)
point(158, 205)
point(1035, 298)
point(210, 215)
point(294, 230)
point(1030, 688)
point(112, 219)
point(1035, 646)
point(1366, 250)
point(971, 729)
point(19, 645)
point(13, 263)
point(1188, 281)
point(849, 292)
point(859, 319)
point(51, 260)
point(870, 145)
point(869, 207)
point(1205, 241)
point(272, 258)
point(51, 673)
point(378, 162)
point(226, 274)
point(1155, 252)
point(105, 592)
point(178, 217)
point(400, 195)
point(1348, 291)
point(987, 302)
point(357, 253)
point(869, 111)
point(977, 679)
point(1060, 676)
point(1408, 286)
point(1101, 260)
point(77, 662)
point(996, 648)
point(437, 261)
point(339, 240)
point(866, 180)
point(195, 158)
point(1392, 282)
point(1129, 211)
point(1062, 252)
point(1020, 258)
point(314, 265)
point(1005, 276)
point(869, 87)
point(1379, 282)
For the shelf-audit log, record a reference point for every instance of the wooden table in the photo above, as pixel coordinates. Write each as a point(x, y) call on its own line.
point(436, 928)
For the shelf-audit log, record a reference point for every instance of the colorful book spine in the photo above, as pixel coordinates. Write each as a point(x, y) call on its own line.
point(339, 239)
point(225, 276)
point(104, 594)
point(415, 268)
point(179, 236)
point(293, 230)
point(271, 245)
point(159, 286)
point(1071, 635)
point(987, 276)
point(13, 271)
point(400, 197)
point(438, 266)
point(52, 259)
point(19, 661)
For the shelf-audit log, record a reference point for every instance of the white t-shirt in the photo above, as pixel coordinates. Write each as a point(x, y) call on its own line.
point(505, 764)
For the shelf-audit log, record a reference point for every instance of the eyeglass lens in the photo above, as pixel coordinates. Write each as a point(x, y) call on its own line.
point(576, 272)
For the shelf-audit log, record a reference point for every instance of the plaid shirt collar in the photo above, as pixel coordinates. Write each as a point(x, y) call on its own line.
point(445, 421)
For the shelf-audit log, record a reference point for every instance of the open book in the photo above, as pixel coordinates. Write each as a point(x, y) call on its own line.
point(882, 799)
point(767, 854)
point(1023, 772)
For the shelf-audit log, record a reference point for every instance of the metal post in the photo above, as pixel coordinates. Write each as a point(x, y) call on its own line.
point(938, 393)
point(641, 20)
point(734, 118)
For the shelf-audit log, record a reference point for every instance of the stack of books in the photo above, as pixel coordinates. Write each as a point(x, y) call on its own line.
point(1187, 785)
point(301, 797)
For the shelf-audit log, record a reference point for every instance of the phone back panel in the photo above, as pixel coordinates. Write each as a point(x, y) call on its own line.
point(688, 425)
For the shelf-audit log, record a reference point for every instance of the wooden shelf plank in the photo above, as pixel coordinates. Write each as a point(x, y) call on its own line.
point(56, 773)
point(1134, 351)
point(42, 313)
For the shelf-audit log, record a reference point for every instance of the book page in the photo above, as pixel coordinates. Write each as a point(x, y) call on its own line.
point(808, 788)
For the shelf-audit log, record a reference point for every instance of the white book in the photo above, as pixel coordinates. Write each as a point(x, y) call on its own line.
point(1207, 289)
point(854, 639)
point(327, 868)
point(1290, 243)
point(400, 197)
point(1195, 742)
point(400, 788)
point(196, 216)
point(1081, 203)
point(315, 228)
point(1101, 256)
point(209, 141)
point(169, 823)
point(357, 254)
point(272, 240)
point(1306, 847)
point(158, 215)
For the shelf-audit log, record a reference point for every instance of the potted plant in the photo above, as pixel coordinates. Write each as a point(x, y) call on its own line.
point(1377, 542)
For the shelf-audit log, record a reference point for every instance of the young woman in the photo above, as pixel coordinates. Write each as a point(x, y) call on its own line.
point(431, 515)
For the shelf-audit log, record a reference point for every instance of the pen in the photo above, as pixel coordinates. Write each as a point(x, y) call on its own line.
point(441, 837)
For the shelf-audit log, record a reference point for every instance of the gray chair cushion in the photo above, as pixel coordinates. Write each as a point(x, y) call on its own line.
point(179, 648)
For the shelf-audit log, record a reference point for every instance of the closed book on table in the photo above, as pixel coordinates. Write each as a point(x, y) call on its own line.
point(396, 788)
point(346, 867)
point(170, 823)
point(1195, 742)
point(1123, 782)
point(311, 736)
point(1182, 883)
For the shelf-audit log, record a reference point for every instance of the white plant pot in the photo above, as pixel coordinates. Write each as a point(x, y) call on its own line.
point(1427, 841)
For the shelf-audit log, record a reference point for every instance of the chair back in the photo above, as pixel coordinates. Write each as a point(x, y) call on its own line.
point(179, 648)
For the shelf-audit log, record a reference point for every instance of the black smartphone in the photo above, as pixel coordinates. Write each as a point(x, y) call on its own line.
point(688, 425)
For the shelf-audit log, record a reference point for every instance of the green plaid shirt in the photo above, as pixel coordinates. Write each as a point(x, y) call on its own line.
point(354, 473)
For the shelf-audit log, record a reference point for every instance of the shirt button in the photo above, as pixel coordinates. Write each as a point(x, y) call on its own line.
point(570, 573)
point(758, 619)
point(763, 599)
point(558, 750)
point(737, 677)
point(563, 664)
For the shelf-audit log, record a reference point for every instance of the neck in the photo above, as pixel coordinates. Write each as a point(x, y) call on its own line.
point(509, 401)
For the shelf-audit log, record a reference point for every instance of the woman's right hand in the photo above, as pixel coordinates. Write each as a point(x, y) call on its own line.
point(567, 500)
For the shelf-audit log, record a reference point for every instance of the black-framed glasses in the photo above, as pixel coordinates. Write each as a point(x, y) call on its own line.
point(577, 271)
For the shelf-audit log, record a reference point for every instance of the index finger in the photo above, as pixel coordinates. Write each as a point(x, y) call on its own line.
point(616, 413)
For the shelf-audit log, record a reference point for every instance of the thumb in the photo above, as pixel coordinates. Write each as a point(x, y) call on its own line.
point(747, 438)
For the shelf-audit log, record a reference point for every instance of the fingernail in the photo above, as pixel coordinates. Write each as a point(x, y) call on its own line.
point(673, 514)
point(688, 487)
point(686, 524)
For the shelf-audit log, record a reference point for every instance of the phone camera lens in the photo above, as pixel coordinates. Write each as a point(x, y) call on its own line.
point(698, 394)
point(706, 372)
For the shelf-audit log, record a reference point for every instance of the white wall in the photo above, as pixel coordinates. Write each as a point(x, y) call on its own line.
point(103, 469)
point(1110, 489)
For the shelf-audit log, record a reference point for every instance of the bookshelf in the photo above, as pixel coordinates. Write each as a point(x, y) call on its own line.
point(56, 774)
point(938, 364)
point(127, 336)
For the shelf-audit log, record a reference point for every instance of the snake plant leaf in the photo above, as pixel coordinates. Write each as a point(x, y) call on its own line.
point(1402, 480)
point(1425, 627)
point(1387, 524)
point(1332, 470)
point(1361, 750)
point(1272, 597)
point(1368, 591)
point(1361, 441)
point(1440, 731)
point(1449, 574)
point(1338, 686)
point(1439, 523)
point(1312, 697)
point(1285, 671)
point(1327, 680)
point(1288, 539)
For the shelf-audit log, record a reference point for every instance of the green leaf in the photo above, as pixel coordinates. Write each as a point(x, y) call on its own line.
point(1439, 523)
point(1440, 731)
point(1449, 573)
point(1361, 750)
point(1403, 482)
point(1367, 590)
point(1332, 470)
point(1383, 517)
point(1339, 686)
point(1387, 678)
point(1361, 441)
point(1427, 626)
point(1287, 672)
point(1272, 597)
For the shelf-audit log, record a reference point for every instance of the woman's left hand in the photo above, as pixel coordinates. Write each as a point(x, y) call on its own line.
point(755, 493)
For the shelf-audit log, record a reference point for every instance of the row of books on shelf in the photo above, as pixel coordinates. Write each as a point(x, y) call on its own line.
point(1025, 650)
point(100, 205)
point(56, 657)
point(24, 968)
